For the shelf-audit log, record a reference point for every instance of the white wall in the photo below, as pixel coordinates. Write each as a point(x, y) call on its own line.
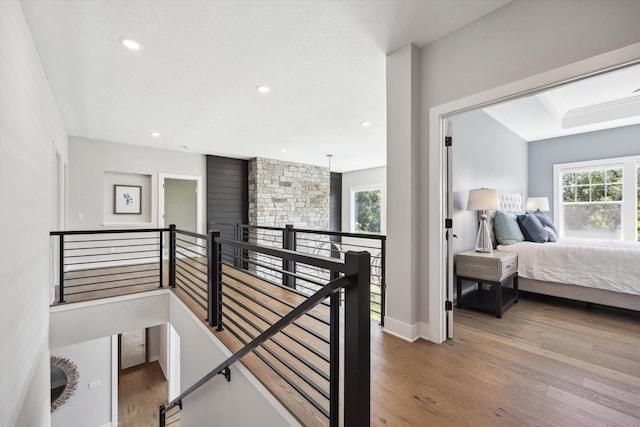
point(30, 128)
point(89, 160)
point(517, 42)
point(403, 117)
point(87, 407)
point(358, 180)
point(200, 351)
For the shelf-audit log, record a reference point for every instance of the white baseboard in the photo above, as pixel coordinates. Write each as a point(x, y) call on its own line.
point(400, 329)
point(405, 331)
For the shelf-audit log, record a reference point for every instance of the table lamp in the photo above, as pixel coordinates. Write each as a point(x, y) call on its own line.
point(534, 203)
point(482, 200)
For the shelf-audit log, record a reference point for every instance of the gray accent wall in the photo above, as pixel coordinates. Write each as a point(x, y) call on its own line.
point(604, 144)
point(485, 154)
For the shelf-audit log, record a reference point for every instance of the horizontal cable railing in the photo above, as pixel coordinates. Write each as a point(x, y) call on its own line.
point(319, 242)
point(281, 305)
point(293, 334)
point(90, 264)
point(189, 264)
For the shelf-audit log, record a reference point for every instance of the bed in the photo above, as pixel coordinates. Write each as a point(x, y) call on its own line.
point(595, 271)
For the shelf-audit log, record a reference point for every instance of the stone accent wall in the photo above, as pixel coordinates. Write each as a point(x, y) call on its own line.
point(283, 193)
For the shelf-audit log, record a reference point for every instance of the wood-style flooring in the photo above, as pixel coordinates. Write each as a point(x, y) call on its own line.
point(141, 391)
point(547, 362)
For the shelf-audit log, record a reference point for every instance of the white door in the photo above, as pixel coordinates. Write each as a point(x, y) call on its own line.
point(449, 232)
point(180, 202)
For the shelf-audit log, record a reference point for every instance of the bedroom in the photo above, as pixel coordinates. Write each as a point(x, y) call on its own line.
point(576, 146)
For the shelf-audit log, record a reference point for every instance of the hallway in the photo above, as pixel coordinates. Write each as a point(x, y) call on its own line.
point(141, 390)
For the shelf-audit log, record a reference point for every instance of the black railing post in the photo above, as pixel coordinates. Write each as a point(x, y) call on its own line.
point(288, 242)
point(162, 416)
point(383, 280)
point(213, 281)
point(61, 272)
point(237, 236)
point(334, 358)
point(357, 340)
point(172, 255)
point(161, 258)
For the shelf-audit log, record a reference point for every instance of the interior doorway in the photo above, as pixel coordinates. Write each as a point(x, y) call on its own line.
point(180, 202)
point(133, 348)
point(440, 319)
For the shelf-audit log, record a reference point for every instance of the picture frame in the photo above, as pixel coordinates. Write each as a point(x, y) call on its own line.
point(126, 199)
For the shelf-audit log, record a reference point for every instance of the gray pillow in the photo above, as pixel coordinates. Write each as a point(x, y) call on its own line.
point(545, 221)
point(506, 228)
point(532, 229)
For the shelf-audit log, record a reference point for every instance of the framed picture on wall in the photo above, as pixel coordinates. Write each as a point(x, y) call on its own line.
point(126, 199)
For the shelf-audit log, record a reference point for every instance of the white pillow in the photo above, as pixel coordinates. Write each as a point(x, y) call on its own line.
point(553, 237)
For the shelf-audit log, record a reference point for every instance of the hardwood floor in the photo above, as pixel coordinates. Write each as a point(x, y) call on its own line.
point(546, 362)
point(141, 391)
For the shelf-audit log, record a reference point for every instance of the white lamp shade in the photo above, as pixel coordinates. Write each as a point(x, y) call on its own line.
point(534, 203)
point(483, 199)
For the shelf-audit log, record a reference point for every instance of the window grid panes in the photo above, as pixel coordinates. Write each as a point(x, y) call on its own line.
point(592, 202)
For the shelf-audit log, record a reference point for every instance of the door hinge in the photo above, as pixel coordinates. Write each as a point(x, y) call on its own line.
point(448, 141)
point(448, 305)
point(448, 223)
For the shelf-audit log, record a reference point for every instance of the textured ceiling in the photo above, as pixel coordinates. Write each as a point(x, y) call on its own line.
point(195, 79)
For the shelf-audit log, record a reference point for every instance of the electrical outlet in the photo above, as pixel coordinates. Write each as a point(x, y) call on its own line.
point(112, 250)
point(94, 384)
point(80, 216)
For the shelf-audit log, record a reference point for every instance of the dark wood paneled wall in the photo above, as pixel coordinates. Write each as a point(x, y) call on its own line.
point(227, 190)
point(335, 202)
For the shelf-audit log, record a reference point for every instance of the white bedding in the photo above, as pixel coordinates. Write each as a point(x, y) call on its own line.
point(611, 265)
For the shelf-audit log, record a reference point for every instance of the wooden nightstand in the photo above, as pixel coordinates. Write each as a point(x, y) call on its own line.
point(493, 269)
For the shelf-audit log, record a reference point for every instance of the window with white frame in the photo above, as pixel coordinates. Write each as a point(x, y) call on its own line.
point(366, 210)
point(598, 199)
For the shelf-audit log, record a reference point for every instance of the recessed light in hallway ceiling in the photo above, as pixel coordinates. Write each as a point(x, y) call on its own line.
point(365, 124)
point(155, 134)
point(130, 43)
point(263, 89)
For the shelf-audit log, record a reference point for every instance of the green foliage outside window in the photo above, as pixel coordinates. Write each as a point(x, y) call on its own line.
point(367, 211)
point(592, 202)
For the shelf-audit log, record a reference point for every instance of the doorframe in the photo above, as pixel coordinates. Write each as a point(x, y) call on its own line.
point(199, 198)
point(591, 67)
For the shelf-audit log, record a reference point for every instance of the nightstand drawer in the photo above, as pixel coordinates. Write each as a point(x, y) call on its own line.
point(495, 266)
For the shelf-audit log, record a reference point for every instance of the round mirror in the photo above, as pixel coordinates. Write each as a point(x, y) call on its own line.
point(58, 382)
point(64, 380)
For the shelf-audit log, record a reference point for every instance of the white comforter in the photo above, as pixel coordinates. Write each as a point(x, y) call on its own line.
point(604, 264)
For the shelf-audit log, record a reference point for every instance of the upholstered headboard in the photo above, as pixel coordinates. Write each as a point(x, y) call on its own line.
point(509, 202)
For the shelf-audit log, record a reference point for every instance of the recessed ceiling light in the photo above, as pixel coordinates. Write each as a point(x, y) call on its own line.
point(155, 134)
point(284, 150)
point(130, 43)
point(263, 89)
point(365, 124)
point(353, 163)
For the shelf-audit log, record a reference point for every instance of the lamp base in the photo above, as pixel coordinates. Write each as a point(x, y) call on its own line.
point(483, 241)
